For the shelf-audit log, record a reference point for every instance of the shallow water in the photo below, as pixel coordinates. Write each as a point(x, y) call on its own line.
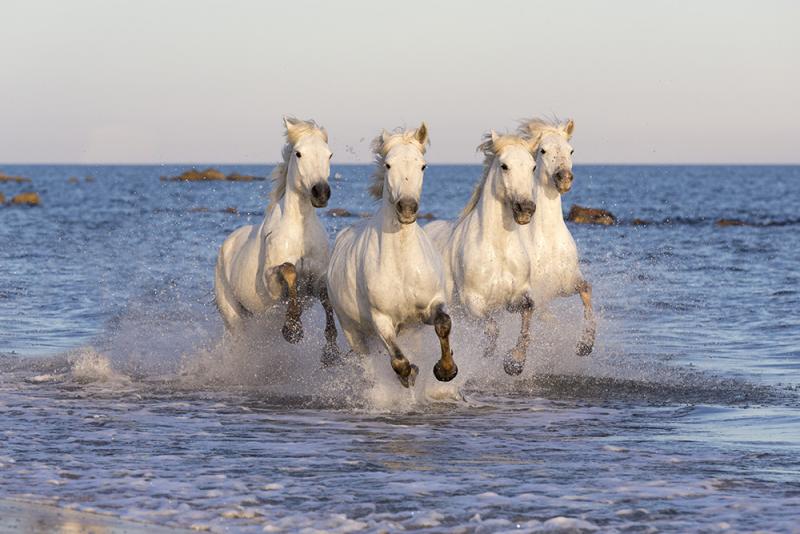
point(118, 393)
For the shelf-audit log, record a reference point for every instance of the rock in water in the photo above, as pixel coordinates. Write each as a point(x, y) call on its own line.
point(730, 222)
point(582, 215)
point(18, 179)
point(29, 199)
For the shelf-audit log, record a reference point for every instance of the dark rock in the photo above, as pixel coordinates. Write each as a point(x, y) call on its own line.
point(193, 175)
point(72, 180)
point(28, 198)
point(639, 222)
point(2, 198)
point(89, 179)
point(17, 179)
point(231, 209)
point(582, 215)
point(340, 212)
point(730, 222)
point(426, 216)
point(236, 177)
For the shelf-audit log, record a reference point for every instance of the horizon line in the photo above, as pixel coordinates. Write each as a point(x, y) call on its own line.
point(269, 164)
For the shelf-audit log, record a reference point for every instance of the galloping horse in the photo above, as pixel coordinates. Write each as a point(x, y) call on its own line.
point(286, 256)
point(485, 257)
point(384, 271)
point(554, 256)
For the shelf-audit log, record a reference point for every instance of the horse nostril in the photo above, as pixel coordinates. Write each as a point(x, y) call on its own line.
point(321, 191)
point(407, 206)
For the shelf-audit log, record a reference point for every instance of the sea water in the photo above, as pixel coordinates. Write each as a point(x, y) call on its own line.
point(120, 395)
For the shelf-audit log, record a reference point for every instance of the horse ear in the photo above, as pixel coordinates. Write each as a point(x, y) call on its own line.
point(288, 123)
point(385, 135)
point(569, 128)
point(422, 134)
point(533, 144)
point(494, 136)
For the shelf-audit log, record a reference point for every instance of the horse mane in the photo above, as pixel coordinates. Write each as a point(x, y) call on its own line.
point(491, 146)
point(295, 130)
point(381, 146)
point(537, 127)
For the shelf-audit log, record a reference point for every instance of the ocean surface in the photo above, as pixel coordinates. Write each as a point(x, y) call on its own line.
point(119, 394)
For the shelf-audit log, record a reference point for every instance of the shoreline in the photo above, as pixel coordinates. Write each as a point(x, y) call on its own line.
point(26, 516)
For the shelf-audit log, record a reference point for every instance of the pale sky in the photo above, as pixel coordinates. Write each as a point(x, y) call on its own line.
point(195, 81)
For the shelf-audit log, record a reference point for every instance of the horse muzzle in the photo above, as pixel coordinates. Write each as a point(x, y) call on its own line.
point(320, 194)
point(523, 210)
point(406, 210)
point(563, 181)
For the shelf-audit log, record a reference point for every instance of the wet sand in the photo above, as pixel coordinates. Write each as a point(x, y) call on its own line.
point(23, 517)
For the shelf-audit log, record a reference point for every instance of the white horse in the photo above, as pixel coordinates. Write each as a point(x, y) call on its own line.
point(485, 257)
point(384, 271)
point(286, 256)
point(554, 256)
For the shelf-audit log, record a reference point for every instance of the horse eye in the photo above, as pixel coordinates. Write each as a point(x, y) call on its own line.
point(388, 166)
point(571, 152)
point(504, 166)
point(544, 151)
point(424, 167)
point(298, 154)
point(330, 157)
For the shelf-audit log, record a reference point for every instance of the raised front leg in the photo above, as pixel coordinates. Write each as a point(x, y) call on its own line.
point(330, 354)
point(586, 344)
point(445, 369)
point(515, 359)
point(292, 329)
point(406, 371)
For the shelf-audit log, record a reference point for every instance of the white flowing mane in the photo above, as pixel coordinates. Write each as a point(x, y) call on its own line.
point(381, 146)
point(536, 128)
point(299, 128)
point(490, 148)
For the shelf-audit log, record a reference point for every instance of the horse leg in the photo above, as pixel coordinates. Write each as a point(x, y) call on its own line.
point(586, 344)
point(292, 328)
point(445, 369)
point(232, 313)
point(492, 332)
point(330, 354)
point(515, 359)
point(406, 371)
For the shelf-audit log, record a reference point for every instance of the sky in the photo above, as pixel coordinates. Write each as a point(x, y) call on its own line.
point(197, 81)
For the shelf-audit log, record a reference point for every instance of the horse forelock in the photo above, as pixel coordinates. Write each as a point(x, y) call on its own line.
point(536, 128)
point(381, 146)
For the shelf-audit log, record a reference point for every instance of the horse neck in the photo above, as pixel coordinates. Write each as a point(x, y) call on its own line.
point(548, 203)
point(493, 214)
point(393, 233)
point(292, 208)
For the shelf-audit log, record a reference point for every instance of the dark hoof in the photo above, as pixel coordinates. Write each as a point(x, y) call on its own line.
point(408, 381)
point(331, 355)
point(441, 375)
point(292, 332)
point(511, 366)
point(584, 349)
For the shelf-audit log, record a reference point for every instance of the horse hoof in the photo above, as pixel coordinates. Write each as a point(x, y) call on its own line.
point(584, 349)
point(331, 355)
point(441, 375)
point(408, 380)
point(512, 367)
point(292, 333)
